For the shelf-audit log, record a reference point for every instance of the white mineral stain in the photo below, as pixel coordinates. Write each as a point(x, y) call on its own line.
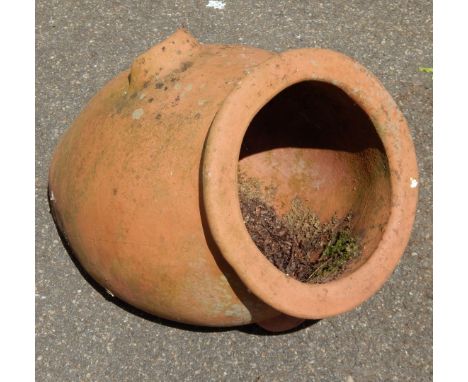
point(237, 310)
point(414, 183)
point(223, 279)
point(216, 4)
point(187, 89)
point(138, 113)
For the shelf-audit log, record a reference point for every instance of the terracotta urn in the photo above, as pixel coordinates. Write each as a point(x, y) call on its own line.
point(144, 185)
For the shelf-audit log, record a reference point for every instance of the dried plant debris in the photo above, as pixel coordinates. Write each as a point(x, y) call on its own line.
point(297, 243)
point(248, 187)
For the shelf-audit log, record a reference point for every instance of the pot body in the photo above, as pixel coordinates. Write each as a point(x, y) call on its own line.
point(144, 184)
point(125, 185)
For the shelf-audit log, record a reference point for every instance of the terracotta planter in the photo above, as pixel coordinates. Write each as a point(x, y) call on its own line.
point(144, 184)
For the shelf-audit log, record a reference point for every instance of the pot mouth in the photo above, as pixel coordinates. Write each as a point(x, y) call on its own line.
point(221, 193)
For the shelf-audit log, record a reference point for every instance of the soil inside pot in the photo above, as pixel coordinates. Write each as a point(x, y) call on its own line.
point(297, 243)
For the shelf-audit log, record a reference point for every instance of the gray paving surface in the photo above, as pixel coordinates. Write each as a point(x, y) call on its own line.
point(83, 336)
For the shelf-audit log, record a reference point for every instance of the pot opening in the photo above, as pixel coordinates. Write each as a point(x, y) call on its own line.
point(314, 184)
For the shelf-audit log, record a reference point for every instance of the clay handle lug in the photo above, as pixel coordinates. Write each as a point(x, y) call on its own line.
point(162, 59)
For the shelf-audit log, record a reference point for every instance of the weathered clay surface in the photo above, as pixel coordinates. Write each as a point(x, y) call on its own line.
point(127, 189)
point(125, 180)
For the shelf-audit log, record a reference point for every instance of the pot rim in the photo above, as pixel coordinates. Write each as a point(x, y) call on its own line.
point(220, 187)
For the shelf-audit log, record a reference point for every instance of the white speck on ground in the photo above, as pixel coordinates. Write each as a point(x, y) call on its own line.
point(414, 183)
point(216, 4)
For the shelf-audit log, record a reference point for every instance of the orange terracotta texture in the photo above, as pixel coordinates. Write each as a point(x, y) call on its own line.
point(144, 184)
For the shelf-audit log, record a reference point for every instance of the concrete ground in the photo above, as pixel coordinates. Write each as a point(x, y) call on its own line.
point(82, 335)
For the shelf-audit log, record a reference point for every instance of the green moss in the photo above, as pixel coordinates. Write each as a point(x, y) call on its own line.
point(426, 70)
point(336, 256)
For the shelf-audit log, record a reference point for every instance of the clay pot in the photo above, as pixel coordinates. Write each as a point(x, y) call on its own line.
point(144, 184)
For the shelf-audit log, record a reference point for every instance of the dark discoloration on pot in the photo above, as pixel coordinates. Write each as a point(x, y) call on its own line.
point(143, 220)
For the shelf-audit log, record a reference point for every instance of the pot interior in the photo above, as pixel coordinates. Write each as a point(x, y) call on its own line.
point(313, 143)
